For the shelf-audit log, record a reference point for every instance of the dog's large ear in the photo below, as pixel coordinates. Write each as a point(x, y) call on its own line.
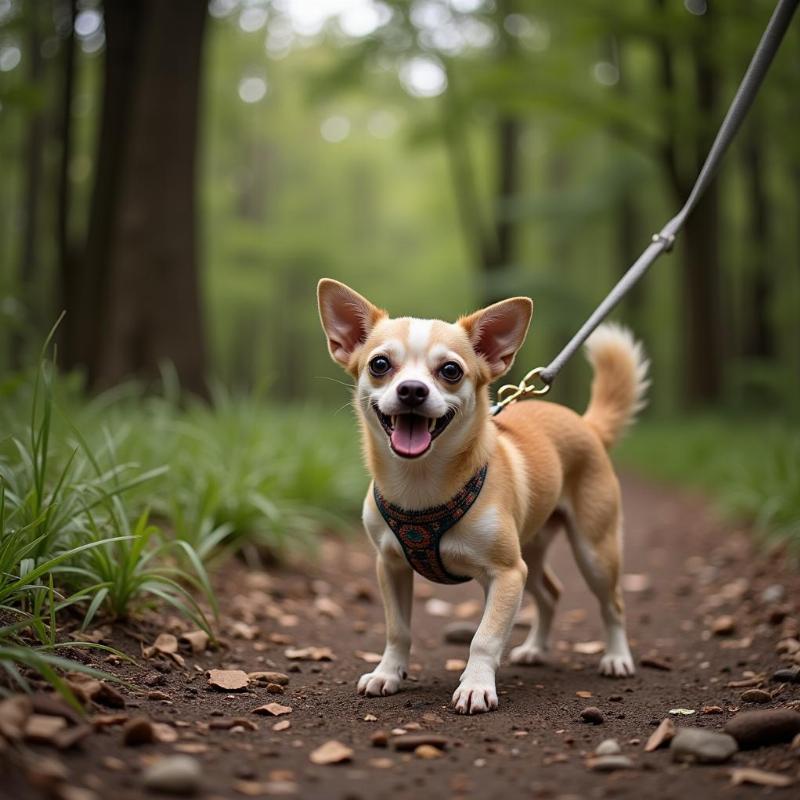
point(498, 331)
point(347, 318)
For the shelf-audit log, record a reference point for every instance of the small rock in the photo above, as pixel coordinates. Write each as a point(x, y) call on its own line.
point(609, 763)
point(787, 675)
point(427, 751)
point(138, 730)
point(379, 739)
point(180, 775)
point(40, 729)
point(756, 696)
point(332, 752)
point(593, 715)
point(753, 729)
point(274, 688)
point(411, 741)
point(459, 632)
point(702, 746)
point(723, 626)
point(608, 747)
point(773, 594)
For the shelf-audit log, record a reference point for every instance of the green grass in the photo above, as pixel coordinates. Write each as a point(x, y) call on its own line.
point(751, 470)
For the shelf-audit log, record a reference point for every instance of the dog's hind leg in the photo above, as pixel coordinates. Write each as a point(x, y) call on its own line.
point(595, 534)
point(546, 589)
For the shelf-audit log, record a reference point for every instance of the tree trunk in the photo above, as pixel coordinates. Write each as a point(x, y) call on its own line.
point(34, 152)
point(140, 284)
point(759, 341)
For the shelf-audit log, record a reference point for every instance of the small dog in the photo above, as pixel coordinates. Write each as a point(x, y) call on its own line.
point(459, 494)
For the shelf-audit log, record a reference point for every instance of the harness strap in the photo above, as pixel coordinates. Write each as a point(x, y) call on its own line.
point(420, 532)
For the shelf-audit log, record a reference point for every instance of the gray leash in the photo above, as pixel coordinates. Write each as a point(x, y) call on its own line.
point(663, 240)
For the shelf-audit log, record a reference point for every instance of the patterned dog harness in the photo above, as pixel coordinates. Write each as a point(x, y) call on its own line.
point(420, 532)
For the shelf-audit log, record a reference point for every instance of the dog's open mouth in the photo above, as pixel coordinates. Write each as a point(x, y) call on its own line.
point(410, 435)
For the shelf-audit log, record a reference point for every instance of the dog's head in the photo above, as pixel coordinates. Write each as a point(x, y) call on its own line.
point(420, 382)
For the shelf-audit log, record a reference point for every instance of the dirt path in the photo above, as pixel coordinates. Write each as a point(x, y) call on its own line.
point(535, 745)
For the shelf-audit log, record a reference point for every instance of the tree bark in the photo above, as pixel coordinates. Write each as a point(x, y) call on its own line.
point(139, 284)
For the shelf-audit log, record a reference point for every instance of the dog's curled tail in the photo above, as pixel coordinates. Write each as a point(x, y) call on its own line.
point(620, 381)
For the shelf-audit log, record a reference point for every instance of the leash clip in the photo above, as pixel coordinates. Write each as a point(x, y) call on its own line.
point(667, 239)
point(512, 392)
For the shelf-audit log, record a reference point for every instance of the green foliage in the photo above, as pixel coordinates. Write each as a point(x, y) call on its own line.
point(751, 467)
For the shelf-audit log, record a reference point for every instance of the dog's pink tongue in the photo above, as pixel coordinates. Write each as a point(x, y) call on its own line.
point(411, 436)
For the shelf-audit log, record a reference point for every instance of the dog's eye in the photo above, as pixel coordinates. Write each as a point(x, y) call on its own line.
point(451, 372)
point(379, 366)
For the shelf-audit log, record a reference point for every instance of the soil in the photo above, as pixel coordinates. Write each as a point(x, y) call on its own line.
point(685, 570)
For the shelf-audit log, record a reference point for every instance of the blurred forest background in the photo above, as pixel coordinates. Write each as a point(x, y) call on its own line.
point(178, 175)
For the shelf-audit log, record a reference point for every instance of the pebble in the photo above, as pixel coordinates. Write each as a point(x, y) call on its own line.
point(138, 730)
point(427, 751)
point(379, 739)
point(787, 675)
point(459, 632)
point(174, 775)
point(411, 741)
point(756, 696)
point(723, 626)
point(753, 729)
point(702, 746)
point(773, 594)
point(593, 715)
point(608, 747)
point(609, 763)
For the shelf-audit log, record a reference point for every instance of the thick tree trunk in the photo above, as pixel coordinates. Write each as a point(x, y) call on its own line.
point(759, 340)
point(140, 283)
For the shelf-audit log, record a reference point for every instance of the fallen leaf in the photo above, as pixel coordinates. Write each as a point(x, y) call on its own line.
point(455, 664)
point(588, 648)
point(583, 694)
point(310, 654)
point(662, 735)
point(759, 777)
point(331, 752)
point(197, 640)
point(241, 630)
point(370, 658)
point(228, 680)
point(273, 709)
point(682, 712)
point(327, 607)
point(266, 789)
point(711, 710)
point(165, 643)
point(269, 677)
point(40, 729)
point(13, 713)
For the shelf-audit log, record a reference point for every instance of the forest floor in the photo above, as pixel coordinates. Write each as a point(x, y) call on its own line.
point(685, 573)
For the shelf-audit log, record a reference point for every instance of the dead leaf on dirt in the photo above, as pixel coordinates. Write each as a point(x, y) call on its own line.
point(283, 725)
point(164, 733)
point(266, 788)
point(737, 644)
point(682, 712)
point(370, 658)
point(228, 680)
point(455, 664)
point(273, 709)
point(588, 648)
point(662, 735)
point(40, 729)
point(635, 582)
point(241, 630)
point(750, 680)
point(191, 748)
point(759, 777)
point(309, 654)
point(13, 713)
point(100, 721)
point(269, 677)
point(197, 640)
point(332, 752)
point(166, 644)
point(328, 608)
point(96, 636)
point(711, 710)
point(583, 694)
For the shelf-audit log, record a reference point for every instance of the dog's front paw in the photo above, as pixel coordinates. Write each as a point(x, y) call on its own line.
point(379, 683)
point(475, 696)
point(617, 665)
point(527, 655)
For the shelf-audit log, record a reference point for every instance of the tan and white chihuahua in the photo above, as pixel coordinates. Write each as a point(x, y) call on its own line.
point(422, 399)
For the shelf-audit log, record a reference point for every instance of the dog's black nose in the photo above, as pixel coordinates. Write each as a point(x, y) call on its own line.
point(412, 393)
